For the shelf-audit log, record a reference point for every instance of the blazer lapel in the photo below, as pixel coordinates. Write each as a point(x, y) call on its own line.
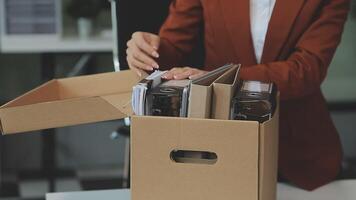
point(281, 23)
point(236, 14)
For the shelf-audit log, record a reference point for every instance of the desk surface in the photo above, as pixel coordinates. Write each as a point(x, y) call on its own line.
point(338, 190)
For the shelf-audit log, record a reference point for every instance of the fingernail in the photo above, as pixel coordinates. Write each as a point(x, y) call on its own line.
point(150, 68)
point(164, 76)
point(155, 66)
point(175, 77)
point(155, 54)
point(155, 48)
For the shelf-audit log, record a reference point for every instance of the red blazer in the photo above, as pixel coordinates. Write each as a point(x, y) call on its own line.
point(300, 43)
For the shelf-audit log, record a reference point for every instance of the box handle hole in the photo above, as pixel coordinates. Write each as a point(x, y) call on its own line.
point(194, 157)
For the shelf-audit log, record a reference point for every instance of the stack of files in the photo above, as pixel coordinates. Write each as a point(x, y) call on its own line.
point(201, 90)
point(185, 98)
point(140, 90)
point(169, 99)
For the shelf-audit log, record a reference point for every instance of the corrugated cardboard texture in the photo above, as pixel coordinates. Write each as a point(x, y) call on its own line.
point(224, 89)
point(155, 176)
point(71, 101)
point(269, 157)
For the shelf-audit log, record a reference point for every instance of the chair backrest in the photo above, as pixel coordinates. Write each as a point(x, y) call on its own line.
point(141, 15)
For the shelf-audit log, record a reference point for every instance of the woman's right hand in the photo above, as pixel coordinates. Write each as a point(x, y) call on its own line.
point(142, 49)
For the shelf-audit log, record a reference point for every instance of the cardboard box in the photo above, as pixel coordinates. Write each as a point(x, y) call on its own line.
point(70, 101)
point(246, 152)
point(245, 168)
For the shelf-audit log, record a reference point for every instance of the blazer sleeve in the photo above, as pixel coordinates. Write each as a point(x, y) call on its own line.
point(305, 69)
point(179, 34)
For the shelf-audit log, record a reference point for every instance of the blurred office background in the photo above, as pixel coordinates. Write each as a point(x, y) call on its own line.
point(44, 39)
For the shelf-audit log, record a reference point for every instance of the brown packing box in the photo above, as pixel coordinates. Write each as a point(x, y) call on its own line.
point(246, 163)
point(70, 101)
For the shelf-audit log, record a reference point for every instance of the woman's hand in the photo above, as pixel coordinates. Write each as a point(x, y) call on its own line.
point(179, 73)
point(141, 52)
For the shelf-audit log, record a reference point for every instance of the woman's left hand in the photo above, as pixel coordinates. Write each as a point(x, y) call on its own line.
point(179, 73)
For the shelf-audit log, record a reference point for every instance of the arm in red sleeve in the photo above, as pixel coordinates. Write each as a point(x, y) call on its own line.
point(179, 34)
point(303, 72)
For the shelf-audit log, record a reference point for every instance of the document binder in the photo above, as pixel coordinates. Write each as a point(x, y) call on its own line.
point(201, 91)
point(139, 91)
point(254, 101)
point(152, 96)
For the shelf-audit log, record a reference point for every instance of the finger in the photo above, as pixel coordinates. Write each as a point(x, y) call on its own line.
point(186, 73)
point(153, 39)
point(131, 56)
point(141, 56)
point(183, 75)
point(144, 45)
point(197, 75)
point(169, 75)
point(138, 64)
point(137, 71)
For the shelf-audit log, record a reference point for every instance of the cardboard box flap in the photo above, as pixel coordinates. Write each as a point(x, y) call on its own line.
point(57, 114)
point(44, 93)
point(122, 102)
point(98, 84)
point(234, 173)
point(76, 87)
point(70, 101)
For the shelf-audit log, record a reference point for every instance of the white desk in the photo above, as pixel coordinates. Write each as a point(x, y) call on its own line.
point(338, 190)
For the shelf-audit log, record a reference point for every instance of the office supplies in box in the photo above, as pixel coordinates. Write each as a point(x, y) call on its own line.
point(140, 90)
point(152, 96)
point(201, 91)
point(169, 99)
point(224, 89)
point(176, 98)
point(254, 101)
